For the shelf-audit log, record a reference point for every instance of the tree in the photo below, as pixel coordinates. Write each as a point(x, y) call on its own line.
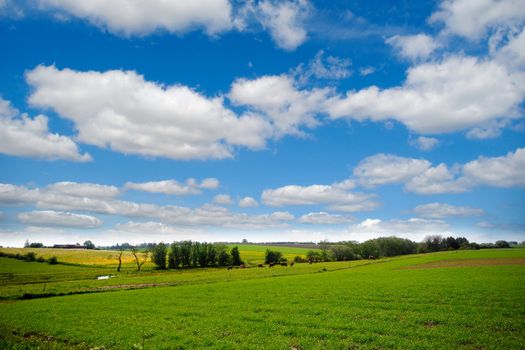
point(158, 255)
point(119, 258)
point(342, 252)
point(203, 254)
point(272, 257)
point(502, 244)
point(175, 257)
point(236, 256)
point(223, 257)
point(195, 250)
point(212, 254)
point(139, 262)
point(185, 252)
point(89, 245)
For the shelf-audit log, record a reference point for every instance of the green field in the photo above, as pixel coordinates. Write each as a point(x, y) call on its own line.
point(448, 300)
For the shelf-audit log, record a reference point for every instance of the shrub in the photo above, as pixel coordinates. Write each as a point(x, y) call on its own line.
point(236, 256)
point(272, 257)
point(30, 256)
point(158, 255)
point(41, 259)
point(298, 259)
point(52, 260)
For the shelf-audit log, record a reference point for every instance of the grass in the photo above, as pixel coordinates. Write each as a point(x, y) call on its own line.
point(381, 305)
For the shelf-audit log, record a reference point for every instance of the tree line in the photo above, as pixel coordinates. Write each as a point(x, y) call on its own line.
point(193, 254)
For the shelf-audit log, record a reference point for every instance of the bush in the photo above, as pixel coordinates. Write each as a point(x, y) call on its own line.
point(298, 259)
point(41, 259)
point(272, 257)
point(52, 260)
point(30, 256)
point(236, 256)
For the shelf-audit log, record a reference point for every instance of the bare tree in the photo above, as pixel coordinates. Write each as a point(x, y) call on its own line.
point(139, 262)
point(118, 257)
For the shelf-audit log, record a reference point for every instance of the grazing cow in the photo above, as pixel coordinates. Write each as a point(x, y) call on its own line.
point(371, 257)
point(284, 264)
point(242, 266)
point(261, 265)
point(310, 261)
point(291, 264)
point(271, 264)
point(229, 267)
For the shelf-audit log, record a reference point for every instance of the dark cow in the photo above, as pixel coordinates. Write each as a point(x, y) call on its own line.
point(291, 264)
point(284, 264)
point(371, 257)
point(261, 265)
point(271, 264)
point(229, 267)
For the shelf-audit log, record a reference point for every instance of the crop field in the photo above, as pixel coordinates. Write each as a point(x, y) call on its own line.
point(447, 300)
point(251, 254)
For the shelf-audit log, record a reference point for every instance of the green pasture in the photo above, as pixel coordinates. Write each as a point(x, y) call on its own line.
point(449, 300)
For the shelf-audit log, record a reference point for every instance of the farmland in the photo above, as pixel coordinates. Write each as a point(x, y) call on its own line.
point(447, 300)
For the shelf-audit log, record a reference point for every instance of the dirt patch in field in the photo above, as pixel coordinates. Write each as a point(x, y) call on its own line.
point(466, 263)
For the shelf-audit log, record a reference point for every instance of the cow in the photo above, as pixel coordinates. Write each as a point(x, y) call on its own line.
point(230, 267)
point(291, 264)
point(371, 257)
point(284, 264)
point(261, 265)
point(271, 264)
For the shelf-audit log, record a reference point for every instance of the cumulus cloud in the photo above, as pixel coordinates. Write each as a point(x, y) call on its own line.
point(425, 143)
point(122, 111)
point(420, 176)
point(454, 94)
point(173, 187)
point(324, 218)
point(23, 136)
point(382, 169)
point(83, 189)
point(59, 218)
point(142, 17)
point(283, 20)
point(413, 47)
point(280, 100)
point(224, 199)
point(443, 210)
point(248, 202)
point(336, 196)
point(49, 198)
point(504, 171)
point(473, 19)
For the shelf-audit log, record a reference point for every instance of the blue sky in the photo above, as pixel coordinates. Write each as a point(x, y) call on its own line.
point(134, 121)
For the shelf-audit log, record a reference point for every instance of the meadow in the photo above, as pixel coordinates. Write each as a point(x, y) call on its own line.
point(446, 300)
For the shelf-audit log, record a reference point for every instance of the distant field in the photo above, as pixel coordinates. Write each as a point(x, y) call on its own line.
point(251, 254)
point(449, 300)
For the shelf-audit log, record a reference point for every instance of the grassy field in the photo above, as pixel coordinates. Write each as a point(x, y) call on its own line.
point(450, 300)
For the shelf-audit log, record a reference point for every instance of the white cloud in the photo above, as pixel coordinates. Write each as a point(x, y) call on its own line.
point(438, 179)
point(512, 53)
point(420, 176)
point(173, 187)
point(278, 98)
point(59, 218)
point(425, 143)
point(142, 17)
point(331, 68)
point(505, 171)
point(364, 71)
point(382, 169)
point(84, 189)
point(473, 19)
point(120, 110)
point(248, 202)
point(284, 21)
point(324, 218)
point(443, 210)
point(224, 199)
point(207, 215)
point(413, 228)
point(413, 47)
point(439, 97)
point(23, 136)
point(336, 196)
